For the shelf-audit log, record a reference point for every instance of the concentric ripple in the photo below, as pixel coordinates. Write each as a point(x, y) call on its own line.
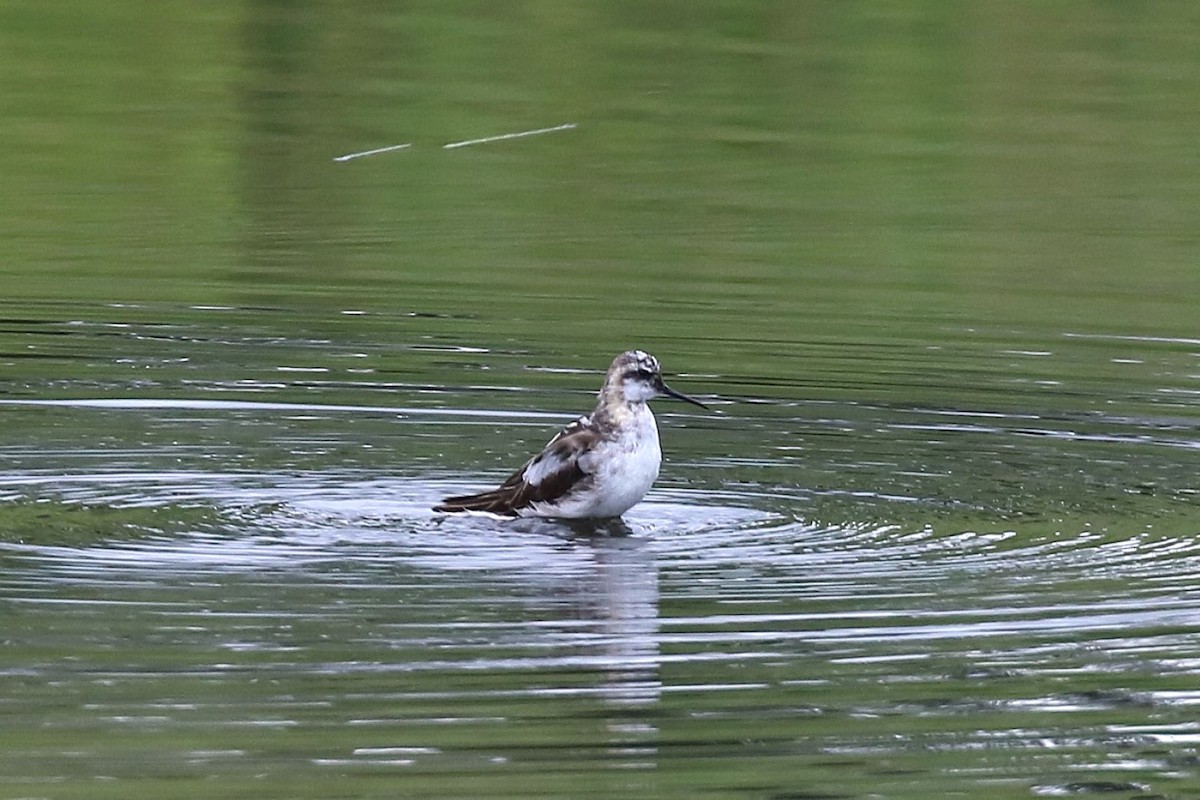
point(930, 600)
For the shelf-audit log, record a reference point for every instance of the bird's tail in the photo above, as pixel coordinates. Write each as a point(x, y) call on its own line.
point(497, 501)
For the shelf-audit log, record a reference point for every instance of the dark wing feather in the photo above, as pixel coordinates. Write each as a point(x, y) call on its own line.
point(546, 477)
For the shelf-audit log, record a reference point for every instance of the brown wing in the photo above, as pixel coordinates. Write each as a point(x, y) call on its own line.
point(546, 477)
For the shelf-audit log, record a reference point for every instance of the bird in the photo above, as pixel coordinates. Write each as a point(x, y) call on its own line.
point(600, 465)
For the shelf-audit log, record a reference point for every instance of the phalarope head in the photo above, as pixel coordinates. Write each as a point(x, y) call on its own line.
point(635, 377)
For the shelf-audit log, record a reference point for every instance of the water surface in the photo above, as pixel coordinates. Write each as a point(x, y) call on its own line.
point(933, 267)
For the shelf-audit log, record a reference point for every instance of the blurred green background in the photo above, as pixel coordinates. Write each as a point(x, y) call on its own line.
point(788, 167)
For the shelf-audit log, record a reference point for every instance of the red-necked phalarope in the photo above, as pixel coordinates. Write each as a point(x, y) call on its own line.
point(600, 465)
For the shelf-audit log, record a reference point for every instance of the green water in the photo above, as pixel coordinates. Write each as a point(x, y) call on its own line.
point(934, 266)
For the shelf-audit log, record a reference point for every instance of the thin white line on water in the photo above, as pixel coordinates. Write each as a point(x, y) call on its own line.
point(374, 152)
point(566, 127)
point(154, 404)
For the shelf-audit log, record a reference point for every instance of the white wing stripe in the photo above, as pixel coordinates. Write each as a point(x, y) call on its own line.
point(545, 465)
